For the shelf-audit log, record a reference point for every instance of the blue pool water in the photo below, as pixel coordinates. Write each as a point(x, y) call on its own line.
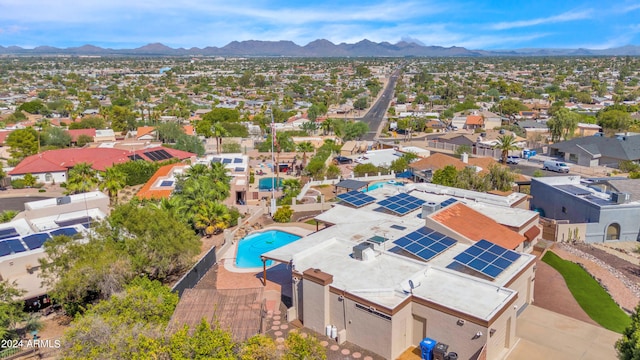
point(267, 183)
point(251, 247)
point(381, 184)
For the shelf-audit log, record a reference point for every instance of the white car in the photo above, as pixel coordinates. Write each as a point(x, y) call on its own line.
point(513, 160)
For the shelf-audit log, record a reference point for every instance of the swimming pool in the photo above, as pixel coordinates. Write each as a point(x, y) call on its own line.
point(381, 184)
point(267, 183)
point(251, 247)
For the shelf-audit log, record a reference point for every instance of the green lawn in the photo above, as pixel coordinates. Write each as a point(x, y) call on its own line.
point(593, 299)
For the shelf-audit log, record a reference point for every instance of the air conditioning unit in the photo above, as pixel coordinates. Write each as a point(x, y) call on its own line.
point(429, 208)
point(360, 248)
point(620, 197)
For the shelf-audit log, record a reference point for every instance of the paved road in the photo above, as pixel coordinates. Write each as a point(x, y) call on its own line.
point(376, 113)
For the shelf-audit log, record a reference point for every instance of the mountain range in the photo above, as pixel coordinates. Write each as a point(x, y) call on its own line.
point(317, 48)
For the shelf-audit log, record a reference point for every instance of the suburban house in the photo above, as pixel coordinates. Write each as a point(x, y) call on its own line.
point(592, 210)
point(598, 150)
point(584, 129)
point(51, 166)
point(424, 168)
point(23, 237)
point(386, 279)
point(474, 122)
point(491, 120)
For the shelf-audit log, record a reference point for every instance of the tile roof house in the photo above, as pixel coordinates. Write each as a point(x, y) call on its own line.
point(75, 133)
point(52, 165)
point(474, 122)
point(423, 169)
point(474, 226)
point(161, 184)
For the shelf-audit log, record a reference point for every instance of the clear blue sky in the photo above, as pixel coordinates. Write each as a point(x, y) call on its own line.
point(187, 23)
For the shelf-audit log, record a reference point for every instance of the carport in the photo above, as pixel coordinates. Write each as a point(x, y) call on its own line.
point(350, 185)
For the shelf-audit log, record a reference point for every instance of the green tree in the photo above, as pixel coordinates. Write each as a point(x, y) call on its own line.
point(628, 347)
point(463, 149)
point(354, 130)
point(83, 140)
point(169, 132)
point(258, 347)
point(218, 131)
point(22, 143)
point(82, 178)
point(333, 171)
point(204, 343)
point(34, 107)
point(304, 148)
point(11, 309)
point(500, 178)
point(614, 120)
point(7, 215)
point(469, 179)
point(506, 143)
point(118, 328)
point(29, 180)
point(563, 124)
point(113, 180)
point(399, 165)
point(298, 347)
point(283, 214)
point(211, 217)
point(365, 169)
point(54, 136)
point(361, 103)
point(445, 176)
point(122, 118)
point(191, 144)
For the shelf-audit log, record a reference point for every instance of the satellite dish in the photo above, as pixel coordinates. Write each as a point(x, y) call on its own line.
point(411, 284)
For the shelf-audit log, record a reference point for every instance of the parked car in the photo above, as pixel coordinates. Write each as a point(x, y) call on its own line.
point(342, 160)
point(513, 160)
point(557, 166)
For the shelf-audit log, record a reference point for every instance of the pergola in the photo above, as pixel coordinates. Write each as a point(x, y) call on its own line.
point(350, 185)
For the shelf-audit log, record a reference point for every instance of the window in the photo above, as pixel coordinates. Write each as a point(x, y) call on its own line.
point(564, 210)
point(613, 232)
point(48, 177)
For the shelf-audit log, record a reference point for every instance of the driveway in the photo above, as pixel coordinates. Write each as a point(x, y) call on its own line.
point(548, 335)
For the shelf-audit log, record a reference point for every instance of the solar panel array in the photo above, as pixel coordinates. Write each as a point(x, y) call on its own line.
point(448, 202)
point(401, 204)
point(158, 155)
point(425, 243)
point(35, 241)
point(356, 198)
point(574, 190)
point(166, 183)
point(226, 161)
point(487, 258)
point(69, 231)
point(135, 157)
point(8, 233)
point(237, 160)
point(11, 246)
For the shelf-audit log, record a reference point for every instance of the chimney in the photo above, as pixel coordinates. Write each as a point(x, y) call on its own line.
point(465, 158)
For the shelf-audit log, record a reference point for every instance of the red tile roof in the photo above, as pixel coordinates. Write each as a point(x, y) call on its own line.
point(3, 136)
point(475, 120)
point(475, 226)
point(144, 130)
point(77, 132)
point(146, 192)
point(99, 158)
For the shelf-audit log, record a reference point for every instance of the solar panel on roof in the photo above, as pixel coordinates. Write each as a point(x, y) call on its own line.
point(64, 231)
point(239, 169)
point(216, 160)
point(575, 190)
point(4, 249)
point(356, 198)
point(163, 154)
point(401, 204)
point(166, 183)
point(135, 157)
point(15, 245)
point(8, 233)
point(448, 202)
point(35, 241)
point(226, 161)
point(425, 243)
point(82, 220)
point(151, 155)
point(237, 161)
point(487, 258)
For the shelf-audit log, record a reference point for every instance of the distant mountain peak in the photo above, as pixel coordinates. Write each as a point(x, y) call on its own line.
point(407, 46)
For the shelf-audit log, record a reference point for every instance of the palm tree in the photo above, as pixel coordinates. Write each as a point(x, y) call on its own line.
point(82, 178)
point(113, 180)
point(505, 144)
point(218, 132)
point(304, 148)
point(211, 217)
point(291, 187)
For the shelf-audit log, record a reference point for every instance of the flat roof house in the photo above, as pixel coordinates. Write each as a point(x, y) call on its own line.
point(607, 209)
point(386, 278)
